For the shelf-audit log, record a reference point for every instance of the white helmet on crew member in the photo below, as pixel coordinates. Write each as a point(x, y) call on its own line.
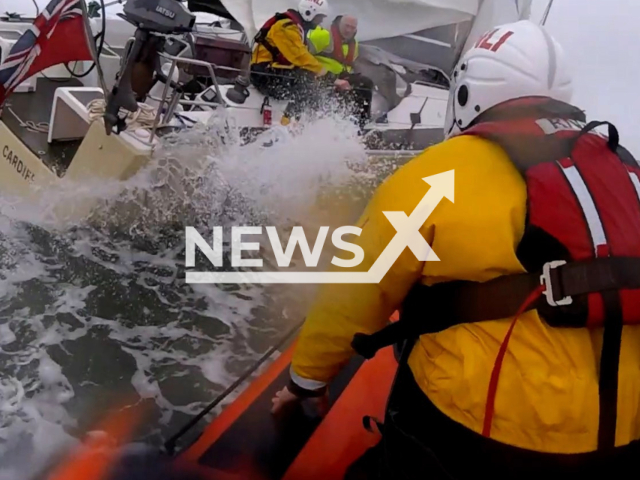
point(511, 61)
point(310, 9)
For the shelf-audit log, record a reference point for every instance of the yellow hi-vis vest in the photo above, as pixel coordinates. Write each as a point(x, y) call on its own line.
point(330, 50)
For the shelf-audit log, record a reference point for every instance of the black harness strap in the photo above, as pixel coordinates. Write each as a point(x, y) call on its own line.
point(454, 303)
point(613, 138)
point(609, 366)
point(597, 275)
point(613, 323)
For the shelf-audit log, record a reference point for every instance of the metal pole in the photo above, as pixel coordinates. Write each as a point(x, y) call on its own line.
point(546, 12)
point(92, 46)
point(165, 94)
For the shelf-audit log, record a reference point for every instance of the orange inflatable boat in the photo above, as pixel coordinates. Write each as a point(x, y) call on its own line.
point(247, 441)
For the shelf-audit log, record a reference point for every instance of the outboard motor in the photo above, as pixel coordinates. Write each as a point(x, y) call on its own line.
point(149, 16)
point(161, 16)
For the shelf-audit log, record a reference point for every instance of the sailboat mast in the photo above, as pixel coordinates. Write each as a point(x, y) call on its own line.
point(546, 12)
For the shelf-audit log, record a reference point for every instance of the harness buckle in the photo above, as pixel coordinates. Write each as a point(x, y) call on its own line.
point(545, 279)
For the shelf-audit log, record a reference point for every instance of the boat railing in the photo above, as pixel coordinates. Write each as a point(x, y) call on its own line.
point(222, 33)
point(171, 97)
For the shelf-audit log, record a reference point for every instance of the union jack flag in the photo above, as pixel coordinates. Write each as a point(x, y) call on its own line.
point(56, 36)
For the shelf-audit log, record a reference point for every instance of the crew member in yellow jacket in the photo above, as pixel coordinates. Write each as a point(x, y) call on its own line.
point(337, 50)
point(281, 65)
point(545, 423)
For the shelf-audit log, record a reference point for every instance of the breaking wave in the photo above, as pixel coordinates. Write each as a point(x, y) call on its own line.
point(96, 311)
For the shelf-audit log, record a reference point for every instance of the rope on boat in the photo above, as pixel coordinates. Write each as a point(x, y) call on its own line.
point(143, 118)
point(40, 127)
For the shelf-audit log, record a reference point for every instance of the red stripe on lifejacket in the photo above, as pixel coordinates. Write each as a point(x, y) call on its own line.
point(338, 54)
point(497, 366)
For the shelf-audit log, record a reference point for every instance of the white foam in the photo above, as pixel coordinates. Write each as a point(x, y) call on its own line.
point(64, 289)
point(6, 335)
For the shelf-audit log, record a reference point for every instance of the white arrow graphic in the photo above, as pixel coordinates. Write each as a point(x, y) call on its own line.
point(407, 235)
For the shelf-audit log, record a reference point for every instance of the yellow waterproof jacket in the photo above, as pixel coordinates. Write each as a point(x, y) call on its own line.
point(321, 44)
point(547, 395)
point(288, 38)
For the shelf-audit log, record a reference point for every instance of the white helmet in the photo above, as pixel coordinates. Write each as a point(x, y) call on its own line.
point(511, 61)
point(308, 9)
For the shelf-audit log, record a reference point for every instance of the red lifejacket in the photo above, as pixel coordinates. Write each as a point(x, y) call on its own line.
point(338, 53)
point(583, 209)
point(583, 194)
point(261, 36)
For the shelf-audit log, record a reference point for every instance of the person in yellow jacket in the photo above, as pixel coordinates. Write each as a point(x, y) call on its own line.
point(547, 414)
point(337, 50)
point(281, 65)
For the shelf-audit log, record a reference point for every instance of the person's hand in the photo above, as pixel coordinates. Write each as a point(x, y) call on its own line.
point(342, 84)
point(285, 398)
point(322, 72)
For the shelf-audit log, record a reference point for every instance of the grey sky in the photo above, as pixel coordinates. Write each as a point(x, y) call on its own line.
point(602, 40)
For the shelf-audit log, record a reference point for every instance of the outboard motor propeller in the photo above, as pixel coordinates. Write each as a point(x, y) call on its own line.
point(149, 16)
point(239, 93)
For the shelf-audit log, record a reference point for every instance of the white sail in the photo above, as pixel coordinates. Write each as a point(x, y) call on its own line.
point(377, 19)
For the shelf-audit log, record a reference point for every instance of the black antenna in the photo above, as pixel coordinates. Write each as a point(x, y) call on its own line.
point(546, 12)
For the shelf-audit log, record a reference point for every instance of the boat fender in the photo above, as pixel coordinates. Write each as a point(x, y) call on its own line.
point(142, 134)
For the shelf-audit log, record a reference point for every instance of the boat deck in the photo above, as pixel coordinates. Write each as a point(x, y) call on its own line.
point(29, 108)
point(255, 439)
